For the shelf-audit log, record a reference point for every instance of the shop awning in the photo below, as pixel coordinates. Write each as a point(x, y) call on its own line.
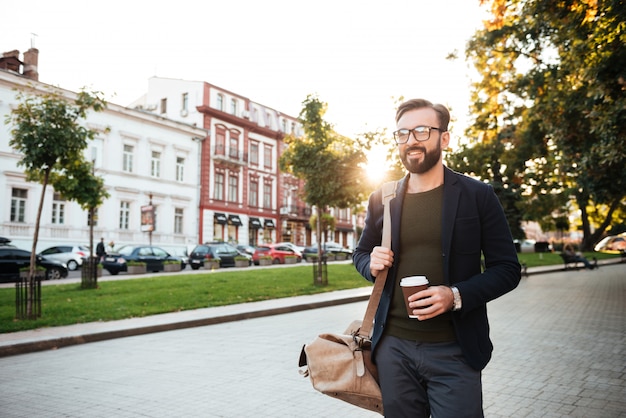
point(269, 223)
point(220, 218)
point(255, 223)
point(234, 220)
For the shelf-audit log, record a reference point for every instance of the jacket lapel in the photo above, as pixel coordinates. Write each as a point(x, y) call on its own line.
point(451, 198)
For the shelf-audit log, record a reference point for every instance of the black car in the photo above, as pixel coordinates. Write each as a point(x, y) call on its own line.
point(222, 251)
point(154, 257)
point(12, 260)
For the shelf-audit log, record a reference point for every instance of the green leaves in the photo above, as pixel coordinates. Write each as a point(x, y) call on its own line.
point(331, 165)
point(551, 106)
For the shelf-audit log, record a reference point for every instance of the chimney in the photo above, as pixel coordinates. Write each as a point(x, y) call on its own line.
point(31, 61)
point(11, 61)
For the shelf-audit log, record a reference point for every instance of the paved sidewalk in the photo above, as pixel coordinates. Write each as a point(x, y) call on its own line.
point(559, 351)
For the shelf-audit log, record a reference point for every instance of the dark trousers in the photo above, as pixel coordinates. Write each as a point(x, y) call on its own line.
point(420, 379)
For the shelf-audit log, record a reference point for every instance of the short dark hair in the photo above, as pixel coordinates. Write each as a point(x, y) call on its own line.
point(442, 112)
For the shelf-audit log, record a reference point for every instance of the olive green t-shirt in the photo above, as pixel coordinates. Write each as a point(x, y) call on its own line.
point(421, 255)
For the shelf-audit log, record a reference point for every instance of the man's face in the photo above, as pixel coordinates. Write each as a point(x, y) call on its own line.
point(420, 157)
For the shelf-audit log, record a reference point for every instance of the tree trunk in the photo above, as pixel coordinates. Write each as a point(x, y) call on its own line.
point(33, 255)
point(319, 280)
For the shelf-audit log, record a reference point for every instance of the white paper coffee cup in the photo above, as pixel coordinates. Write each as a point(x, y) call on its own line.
point(411, 285)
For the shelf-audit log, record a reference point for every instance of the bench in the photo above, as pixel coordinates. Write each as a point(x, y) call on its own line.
point(571, 261)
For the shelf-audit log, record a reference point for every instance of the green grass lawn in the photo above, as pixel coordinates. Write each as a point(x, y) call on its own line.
point(69, 304)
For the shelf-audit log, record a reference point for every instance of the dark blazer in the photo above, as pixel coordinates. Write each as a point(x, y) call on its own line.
point(473, 223)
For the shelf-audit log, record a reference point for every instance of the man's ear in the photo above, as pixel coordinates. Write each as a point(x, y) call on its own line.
point(445, 140)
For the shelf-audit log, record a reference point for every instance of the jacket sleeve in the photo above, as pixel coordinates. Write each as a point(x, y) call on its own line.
point(502, 271)
point(371, 236)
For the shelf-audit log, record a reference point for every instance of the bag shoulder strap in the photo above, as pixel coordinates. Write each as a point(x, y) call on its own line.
point(388, 193)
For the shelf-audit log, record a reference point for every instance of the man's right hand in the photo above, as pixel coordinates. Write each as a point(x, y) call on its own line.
point(380, 258)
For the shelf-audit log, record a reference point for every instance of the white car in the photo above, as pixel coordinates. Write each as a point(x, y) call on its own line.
point(70, 255)
point(293, 246)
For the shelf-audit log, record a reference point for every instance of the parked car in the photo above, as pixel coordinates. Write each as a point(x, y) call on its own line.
point(612, 244)
point(70, 255)
point(154, 257)
point(12, 260)
point(532, 246)
point(222, 251)
point(278, 252)
point(180, 252)
point(246, 249)
point(329, 247)
point(293, 246)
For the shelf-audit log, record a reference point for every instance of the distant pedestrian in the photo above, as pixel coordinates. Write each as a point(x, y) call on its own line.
point(100, 251)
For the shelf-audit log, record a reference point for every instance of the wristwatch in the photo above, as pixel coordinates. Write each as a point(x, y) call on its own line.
point(457, 299)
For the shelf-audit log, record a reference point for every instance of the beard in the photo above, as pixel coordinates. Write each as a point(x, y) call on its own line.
point(431, 158)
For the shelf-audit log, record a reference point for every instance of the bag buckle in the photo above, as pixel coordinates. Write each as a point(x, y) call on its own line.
point(364, 343)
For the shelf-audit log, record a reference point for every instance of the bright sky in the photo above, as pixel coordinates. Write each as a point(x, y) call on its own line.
point(356, 55)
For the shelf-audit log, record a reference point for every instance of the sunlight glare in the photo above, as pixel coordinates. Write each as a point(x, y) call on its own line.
point(376, 163)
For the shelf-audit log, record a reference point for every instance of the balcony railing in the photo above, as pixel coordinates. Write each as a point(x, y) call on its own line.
point(230, 155)
point(296, 211)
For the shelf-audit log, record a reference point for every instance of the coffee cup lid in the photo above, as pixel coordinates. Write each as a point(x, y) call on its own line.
point(413, 281)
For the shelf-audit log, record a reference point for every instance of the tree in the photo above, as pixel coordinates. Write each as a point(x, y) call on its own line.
point(46, 131)
point(78, 182)
point(330, 164)
point(561, 70)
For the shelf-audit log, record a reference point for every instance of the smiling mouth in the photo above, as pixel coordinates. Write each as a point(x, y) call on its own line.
point(415, 153)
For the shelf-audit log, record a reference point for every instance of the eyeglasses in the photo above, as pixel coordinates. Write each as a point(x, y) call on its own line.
point(420, 133)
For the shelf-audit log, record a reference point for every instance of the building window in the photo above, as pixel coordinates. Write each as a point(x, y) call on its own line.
point(254, 153)
point(284, 125)
point(58, 209)
point(253, 198)
point(180, 169)
point(233, 106)
point(18, 205)
point(124, 215)
point(233, 147)
point(178, 221)
point(267, 196)
point(267, 157)
point(220, 143)
point(219, 186)
point(95, 217)
point(163, 105)
point(220, 102)
point(185, 102)
point(127, 159)
point(155, 164)
point(233, 182)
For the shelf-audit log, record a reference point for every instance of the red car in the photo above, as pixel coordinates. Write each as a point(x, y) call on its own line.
point(276, 251)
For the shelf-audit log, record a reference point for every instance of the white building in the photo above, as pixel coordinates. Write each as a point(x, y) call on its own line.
point(142, 157)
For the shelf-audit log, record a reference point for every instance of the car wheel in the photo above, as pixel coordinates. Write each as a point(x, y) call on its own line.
point(113, 272)
point(72, 265)
point(53, 274)
point(195, 266)
point(276, 261)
